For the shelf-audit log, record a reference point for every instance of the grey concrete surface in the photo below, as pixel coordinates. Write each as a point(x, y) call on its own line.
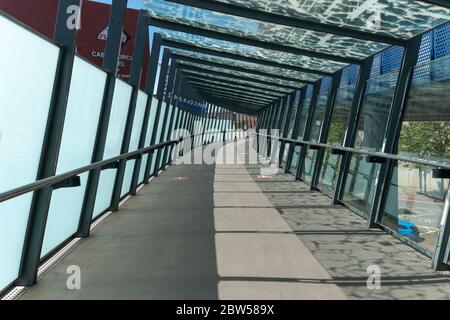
point(196, 232)
point(160, 245)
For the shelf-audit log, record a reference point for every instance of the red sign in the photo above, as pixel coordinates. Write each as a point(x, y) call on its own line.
point(91, 38)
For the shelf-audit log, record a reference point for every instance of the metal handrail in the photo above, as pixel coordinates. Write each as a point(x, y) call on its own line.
point(50, 181)
point(432, 163)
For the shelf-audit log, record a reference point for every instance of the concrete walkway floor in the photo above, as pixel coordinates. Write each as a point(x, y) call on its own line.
point(230, 232)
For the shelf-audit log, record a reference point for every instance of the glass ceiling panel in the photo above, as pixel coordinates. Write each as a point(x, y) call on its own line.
point(254, 52)
point(398, 18)
point(242, 74)
point(235, 86)
point(243, 91)
point(243, 82)
point(247, 65)
point(264, 31)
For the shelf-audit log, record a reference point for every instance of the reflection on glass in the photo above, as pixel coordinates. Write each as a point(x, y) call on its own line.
point(318, 117)
point(425, 132)
point(303, 118)
point(26, 86)
point(285, 155)
point(113, 145)
point(134, 140)
point(415, 204)
point(374, 113)
point(308, 169)
point(77, 144)
point(291, 120)
point(359, 186)
point(295, 158)
point(329, 172)
point(151, 123)
point(340, 114)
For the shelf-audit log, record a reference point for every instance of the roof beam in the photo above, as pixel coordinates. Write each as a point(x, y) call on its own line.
point(235, 68)
point(235, 85)
point(236, 95)
point(238, 106)
point(190, 47)
point(229, 75)
point(230, 97)
point(180, 27)
point(234, 90)
point(230, 104)
point(295, 22)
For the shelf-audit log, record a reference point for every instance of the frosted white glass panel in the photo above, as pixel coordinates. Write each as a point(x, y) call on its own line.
point(134, 140)
point(159, 133)
point(77, 144)
point(26, 84)
point(128, 176)
point(151, 124)
point(164, 136)
point(117, 121)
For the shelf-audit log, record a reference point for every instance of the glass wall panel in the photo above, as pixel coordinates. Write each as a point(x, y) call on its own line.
point(340, 114)
point(308, 170)
point(425, 131)
point(113, 145)
point(415, 204)
point(318, 117)
point(159, 133)
point(134, 140)
point(166, 132)
point(26, 85)
point(77, 145)
point(148, 137)
point(371, 127)
point(374, 113)
point(336, 135)
point(359, 186)
point(329, 172)
point(301, 133)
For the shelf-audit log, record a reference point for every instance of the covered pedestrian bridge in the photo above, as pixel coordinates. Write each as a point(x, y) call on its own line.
point(269, 150)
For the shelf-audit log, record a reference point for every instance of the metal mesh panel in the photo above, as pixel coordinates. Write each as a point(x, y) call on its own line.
point(426, 48)
point(391, 59)
point(326, 84)
point(441, 41)
point(376, 66)
point(350, 75)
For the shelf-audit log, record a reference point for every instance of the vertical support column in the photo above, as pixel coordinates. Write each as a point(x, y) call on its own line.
point(410, 57)
point(34, 235)
point(350, 134)
point(302, 95)
point(312, 107)
point(161, 81)
point(165, 77)
point(134, 81)
point(285, 128)
point(110, 61)
point(326, 126)
point(173, 120)
point(149, 87)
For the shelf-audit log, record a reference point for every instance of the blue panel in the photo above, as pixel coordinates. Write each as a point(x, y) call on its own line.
point(350, 75)
point(426, 48)
point(442, 41)
point(391, 59)
point(376, 66)
point(326, 84)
